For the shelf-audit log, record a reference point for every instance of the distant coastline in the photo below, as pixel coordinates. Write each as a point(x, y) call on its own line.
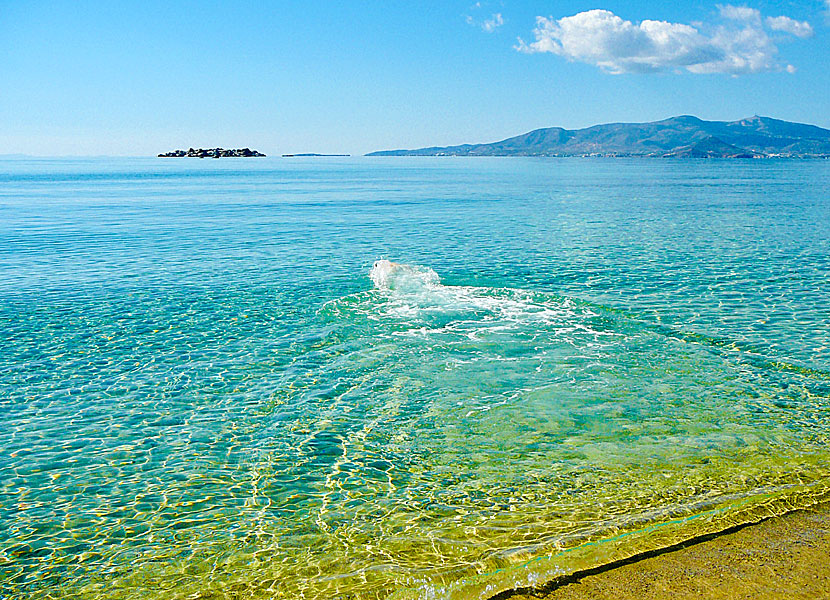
point(211, 153)
point(676, 137)
point(311, 154)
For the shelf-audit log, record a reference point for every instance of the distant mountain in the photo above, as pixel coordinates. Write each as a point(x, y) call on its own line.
point(684, 136)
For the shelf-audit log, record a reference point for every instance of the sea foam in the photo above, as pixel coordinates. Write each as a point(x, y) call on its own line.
point(388, 275)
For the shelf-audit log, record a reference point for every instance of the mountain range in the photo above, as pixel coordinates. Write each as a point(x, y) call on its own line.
point(684, 136)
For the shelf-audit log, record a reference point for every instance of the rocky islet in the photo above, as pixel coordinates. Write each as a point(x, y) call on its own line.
point(211, 153)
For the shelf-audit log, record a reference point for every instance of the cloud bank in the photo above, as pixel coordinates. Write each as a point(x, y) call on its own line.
point(738, 42)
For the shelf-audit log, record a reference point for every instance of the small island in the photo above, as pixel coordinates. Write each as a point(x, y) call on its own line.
point(211, 153)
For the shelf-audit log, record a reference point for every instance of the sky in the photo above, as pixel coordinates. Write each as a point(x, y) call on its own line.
point(139, 78)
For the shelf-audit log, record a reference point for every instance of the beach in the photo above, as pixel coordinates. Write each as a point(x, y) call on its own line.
point(779, 557)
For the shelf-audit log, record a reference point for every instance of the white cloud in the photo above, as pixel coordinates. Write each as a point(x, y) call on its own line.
point(489, 25)
point(494, 22)
point(740, 13)
point(800, 29)
point(738, 43)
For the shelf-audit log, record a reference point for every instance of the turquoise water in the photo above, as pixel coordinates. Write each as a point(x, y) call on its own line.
point(204, 394)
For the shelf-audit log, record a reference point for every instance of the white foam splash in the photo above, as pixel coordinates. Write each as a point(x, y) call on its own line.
point(388, 275)
point(380, 271)
point(414, 296)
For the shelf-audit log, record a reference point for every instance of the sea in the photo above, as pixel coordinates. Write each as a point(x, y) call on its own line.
point(403, 378)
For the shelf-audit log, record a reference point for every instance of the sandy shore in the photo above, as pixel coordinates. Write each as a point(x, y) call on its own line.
point(781, 557)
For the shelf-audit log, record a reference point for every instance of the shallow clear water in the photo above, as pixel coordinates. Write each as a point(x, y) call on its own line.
point(204, 394)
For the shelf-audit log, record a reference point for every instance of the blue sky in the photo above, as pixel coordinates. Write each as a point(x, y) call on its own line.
point(132, 78)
